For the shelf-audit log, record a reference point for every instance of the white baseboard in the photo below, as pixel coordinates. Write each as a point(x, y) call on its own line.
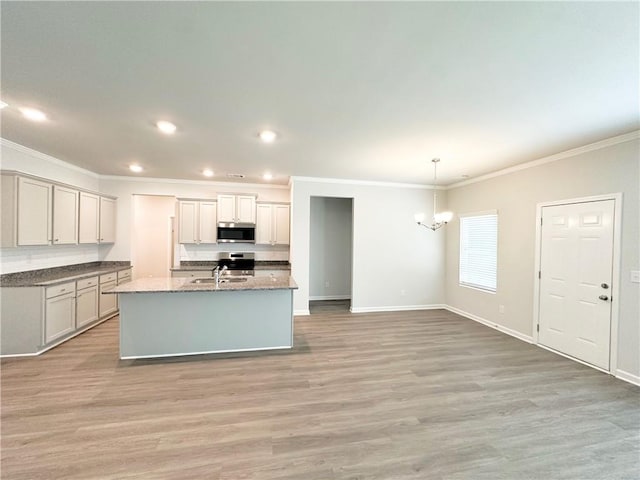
point(396, 308)
point(495, 326)
point(628, 377)
point(299, 313)
point(330, 297)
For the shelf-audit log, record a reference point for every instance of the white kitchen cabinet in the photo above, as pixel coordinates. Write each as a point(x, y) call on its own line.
point(87, 301)
point(107, 220)
point(237, 208)
point(272, 224)
point(34, 212)
point(65, 215)
point(60, 311)
point(89, 215)
point(197, 221)
point(108, 304)
point(38, 212)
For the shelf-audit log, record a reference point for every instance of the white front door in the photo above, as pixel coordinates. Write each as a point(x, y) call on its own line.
point(576, 261)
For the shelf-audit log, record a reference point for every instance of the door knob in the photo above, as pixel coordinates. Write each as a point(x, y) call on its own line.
point(604, 285)
point(603, 297)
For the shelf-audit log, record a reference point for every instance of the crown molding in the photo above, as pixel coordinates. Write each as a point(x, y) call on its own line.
point(127, 178)
point(552, 158)
point(47, 158)
point(369, 183)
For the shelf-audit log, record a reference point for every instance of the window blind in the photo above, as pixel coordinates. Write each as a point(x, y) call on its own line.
point(479, 251)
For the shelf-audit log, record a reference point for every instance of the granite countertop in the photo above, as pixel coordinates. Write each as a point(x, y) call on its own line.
point(211, 264)
point(53, 276)
point(177, 285)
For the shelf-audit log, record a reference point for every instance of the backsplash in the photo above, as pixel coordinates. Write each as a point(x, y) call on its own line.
point(210, 252)
point(33, 258)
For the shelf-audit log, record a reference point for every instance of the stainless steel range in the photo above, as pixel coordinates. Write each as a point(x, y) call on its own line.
point(237, 263)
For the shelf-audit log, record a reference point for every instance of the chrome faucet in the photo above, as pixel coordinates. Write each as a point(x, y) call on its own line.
point(217, 272)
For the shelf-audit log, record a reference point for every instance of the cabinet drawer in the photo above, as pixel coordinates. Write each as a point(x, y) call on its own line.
point(87, 282)
point(109, 277)
point(61, 289)
point(124, 275)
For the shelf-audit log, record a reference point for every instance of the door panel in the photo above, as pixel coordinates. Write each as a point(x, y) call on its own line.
point(576, 259)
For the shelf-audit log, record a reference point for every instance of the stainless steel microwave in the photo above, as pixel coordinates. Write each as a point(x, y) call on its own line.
point(236, 232)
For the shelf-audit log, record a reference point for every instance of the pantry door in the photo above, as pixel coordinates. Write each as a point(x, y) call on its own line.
point(576, 273)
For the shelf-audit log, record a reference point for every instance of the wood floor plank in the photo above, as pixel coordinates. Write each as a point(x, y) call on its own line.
point(402, 395)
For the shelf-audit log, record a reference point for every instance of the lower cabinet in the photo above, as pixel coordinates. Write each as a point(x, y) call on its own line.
point(35, 318)
point(60, 316)
point(108, 303)
point(192, 273)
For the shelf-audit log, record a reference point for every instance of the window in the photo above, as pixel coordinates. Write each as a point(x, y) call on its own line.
point(479, 251)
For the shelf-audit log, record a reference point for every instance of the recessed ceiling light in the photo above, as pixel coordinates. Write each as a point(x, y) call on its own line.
point(267, 176)
point(268, 136)
point(166, 127)
point(135, 168)
point(33, 114)
point(207, 172)
point(3, 104)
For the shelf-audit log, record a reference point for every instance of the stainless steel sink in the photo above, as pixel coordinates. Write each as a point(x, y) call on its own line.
point(204, 280)
point(222, 280)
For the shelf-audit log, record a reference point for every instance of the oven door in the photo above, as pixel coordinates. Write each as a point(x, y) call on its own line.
point(236, 233)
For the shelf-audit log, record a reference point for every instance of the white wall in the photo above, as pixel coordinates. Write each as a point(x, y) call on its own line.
point(16, 157)
point(391, 254)
point(515, 196)
point(151, 242)
point(330, 248)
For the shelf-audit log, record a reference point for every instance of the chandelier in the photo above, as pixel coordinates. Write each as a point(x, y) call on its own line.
point(439, 218)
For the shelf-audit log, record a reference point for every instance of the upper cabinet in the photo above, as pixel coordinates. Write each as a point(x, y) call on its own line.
point(89, 231)
point(272, 224)
point(97, 223)
point(34, 212)
point(236, 208)
point(107, 220)
point(38, 212)
point(197, 221)
point(65, 215)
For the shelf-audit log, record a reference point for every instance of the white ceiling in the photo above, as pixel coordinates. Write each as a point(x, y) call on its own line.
point(367, 91)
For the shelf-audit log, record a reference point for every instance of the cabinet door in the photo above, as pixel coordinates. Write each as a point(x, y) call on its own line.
point(86, 306)
point(280, 234)
point(246, 209)
point(107, 220)
point(65, 216)
point(227, 208)
point(34, 212)
point(188, 226)
point(108, 303)
point(88, 222)
point(264, 223)
point(208, 222)
point(60, 316)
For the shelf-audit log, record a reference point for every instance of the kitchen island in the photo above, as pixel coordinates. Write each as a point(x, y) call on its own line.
point(164, 317)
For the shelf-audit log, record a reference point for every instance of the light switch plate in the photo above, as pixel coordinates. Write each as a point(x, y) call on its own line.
point(635, 276)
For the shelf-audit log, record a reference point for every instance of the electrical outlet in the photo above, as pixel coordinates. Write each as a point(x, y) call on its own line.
point(326, 284)
point(635, 276)
point(501, 309)
point(403, 293)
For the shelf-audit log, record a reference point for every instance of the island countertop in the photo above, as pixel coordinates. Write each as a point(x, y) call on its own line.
point(177, 285)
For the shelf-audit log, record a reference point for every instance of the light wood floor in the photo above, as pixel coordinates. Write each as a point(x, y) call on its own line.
point(410, 395)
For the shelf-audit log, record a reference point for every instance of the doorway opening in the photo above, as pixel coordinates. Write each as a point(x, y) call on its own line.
point(330, 254)
point(152, 239)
